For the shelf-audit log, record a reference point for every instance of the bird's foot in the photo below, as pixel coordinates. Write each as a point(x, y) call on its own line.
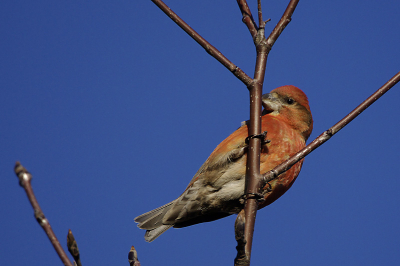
point(257, 196)
point(259, 136)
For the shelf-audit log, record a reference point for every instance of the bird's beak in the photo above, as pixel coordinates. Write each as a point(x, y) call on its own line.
point(270, 103)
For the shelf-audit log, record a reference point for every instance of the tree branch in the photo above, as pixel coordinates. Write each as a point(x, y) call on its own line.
point(248, 17)
point(325, 136)
point(73, 248)
point(133, 257)
point(283, 22)
point(253, 180)
point(261, 22)
point(241, 257)
point(205, 44)
point(25, 181)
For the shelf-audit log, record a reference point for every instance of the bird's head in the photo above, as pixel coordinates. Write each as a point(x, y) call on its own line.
point(289, 104)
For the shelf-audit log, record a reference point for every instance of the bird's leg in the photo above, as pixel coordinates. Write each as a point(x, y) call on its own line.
point(269, 188)
point(257, 196)
point(259, 136)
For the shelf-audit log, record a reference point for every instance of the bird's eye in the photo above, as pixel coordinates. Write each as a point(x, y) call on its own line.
point(290, 101)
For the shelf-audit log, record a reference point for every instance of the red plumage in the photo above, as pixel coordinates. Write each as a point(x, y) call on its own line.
point(217, 188)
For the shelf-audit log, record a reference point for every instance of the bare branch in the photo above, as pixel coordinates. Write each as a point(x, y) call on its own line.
point(133, 257)
point(253, 177)
point(283, 22)
point(253, 154)
point(261, 21)
point(330, 132)
point(73, 248)
point(248, 17)
point(205, 44)
point(260, 18)
point(241, 258)
point(263, 47)
point(25, 181)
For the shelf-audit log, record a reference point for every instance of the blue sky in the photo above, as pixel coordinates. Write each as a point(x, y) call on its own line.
point(113, 109)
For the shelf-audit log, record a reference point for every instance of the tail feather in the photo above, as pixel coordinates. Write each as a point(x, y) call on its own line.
point(154, 233)
point(152, 222)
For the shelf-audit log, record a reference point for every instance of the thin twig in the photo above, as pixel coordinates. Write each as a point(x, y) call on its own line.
point(247, 17)
point(133, 257)
point(253, 153)
point(25, 181)
point(73, 248)
point(325, 136)
point(283, 22)
point(205, 44)
point(260, 17)
point(241, 258)
point(253, 180)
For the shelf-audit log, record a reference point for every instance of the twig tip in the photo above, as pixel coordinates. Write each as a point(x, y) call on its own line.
point(133, 257)
point(22, 174)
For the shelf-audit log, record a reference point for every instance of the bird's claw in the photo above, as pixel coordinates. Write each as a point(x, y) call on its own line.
point(257, 196)
point(259, 136)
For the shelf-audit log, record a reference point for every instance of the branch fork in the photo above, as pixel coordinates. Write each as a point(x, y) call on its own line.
point(244, 225)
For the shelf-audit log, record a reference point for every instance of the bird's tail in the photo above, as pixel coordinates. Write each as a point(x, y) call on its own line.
point(152, 222)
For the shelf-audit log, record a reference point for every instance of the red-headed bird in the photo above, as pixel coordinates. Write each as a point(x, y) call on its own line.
point(217, 189)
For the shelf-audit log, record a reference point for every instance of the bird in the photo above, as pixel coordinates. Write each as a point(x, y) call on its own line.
point(217, 189)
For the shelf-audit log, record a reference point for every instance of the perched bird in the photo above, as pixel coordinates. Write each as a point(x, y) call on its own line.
point(217, 189)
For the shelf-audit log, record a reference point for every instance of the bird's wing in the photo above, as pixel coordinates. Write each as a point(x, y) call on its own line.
point(202, 193)
point(228, 151)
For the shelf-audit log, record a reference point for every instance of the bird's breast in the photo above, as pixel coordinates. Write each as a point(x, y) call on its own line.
point(284, 142)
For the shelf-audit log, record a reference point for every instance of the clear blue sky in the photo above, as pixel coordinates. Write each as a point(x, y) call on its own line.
point(113, 108)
